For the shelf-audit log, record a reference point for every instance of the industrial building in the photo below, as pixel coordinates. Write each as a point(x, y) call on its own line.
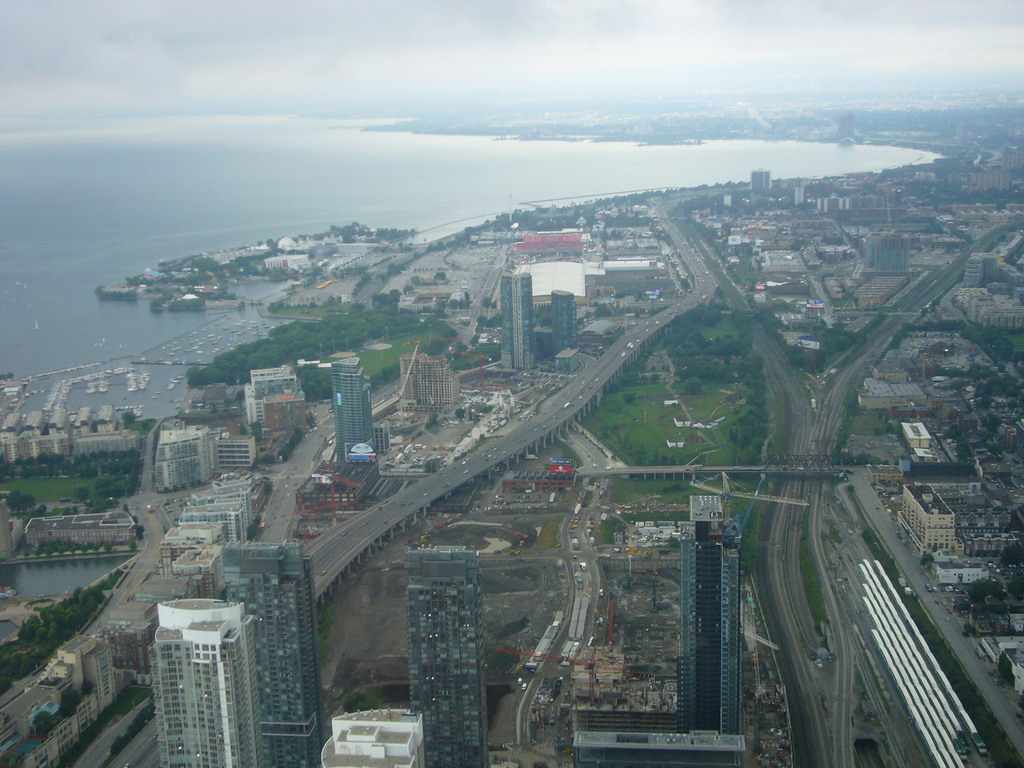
point(337, 488)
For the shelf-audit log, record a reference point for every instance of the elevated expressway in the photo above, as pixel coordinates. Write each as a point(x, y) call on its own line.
point(335, 551)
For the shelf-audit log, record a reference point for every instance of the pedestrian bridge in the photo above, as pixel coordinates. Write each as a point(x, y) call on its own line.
point(810, 465)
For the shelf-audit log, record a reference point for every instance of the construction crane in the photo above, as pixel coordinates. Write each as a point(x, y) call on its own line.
point(727, 493)
point(405, 380)
point(481, 359)
point(412, 365)
point(589, 664)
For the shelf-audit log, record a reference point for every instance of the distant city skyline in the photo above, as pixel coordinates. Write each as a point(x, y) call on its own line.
point(117, 57)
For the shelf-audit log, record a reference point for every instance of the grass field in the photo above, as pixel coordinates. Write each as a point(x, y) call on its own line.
point(44, 489)
point(867, 424)
point(375, 360)
point(670, 491)
point(637, 426)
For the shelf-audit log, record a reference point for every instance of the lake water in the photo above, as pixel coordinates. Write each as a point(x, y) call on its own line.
point(56, 577)
point(90, 203)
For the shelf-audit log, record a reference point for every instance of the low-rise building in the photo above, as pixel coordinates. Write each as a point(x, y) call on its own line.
point(697, 749)
point(880, 394)
point(927, 521)
point(105, 442)
point(380, 738)
point(129, 630)
point(116, 528)
point(235, 451)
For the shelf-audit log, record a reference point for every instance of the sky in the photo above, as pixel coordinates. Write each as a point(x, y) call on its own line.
point(68, 58)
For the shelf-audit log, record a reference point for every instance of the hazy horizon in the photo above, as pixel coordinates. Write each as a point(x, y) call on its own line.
point(124, 58)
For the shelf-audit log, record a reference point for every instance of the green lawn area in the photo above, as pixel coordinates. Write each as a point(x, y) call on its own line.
point(1017, 340)
point(375, 360)
point(548, 536)
point(867, 424)
point(636, 425)
point(669, 491)
point(47, 488)
point(723, 327)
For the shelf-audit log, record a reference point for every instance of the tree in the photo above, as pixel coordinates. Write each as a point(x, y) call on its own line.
point(19, 501)
point(1013, 555)
point(982, 589)
point(693, 386)
point(460, 413)
point(1016, 586)
point(927, 559)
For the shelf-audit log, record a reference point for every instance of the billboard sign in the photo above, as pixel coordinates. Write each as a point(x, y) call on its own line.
point(560, 466)
point(806, 342)
point(816, 303)
point(360, 452)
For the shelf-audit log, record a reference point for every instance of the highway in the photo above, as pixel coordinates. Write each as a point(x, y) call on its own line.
point(335, 551)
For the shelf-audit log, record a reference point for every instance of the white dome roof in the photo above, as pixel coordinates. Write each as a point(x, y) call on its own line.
point(286, 242)
point(360, 448)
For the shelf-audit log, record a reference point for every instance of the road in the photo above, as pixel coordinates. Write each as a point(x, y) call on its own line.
point(335, 551)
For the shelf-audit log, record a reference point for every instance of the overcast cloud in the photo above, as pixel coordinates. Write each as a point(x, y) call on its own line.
point(66, 57)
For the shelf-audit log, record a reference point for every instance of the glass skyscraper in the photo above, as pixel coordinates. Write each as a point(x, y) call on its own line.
point(444, 612)
point(709, 645)
point(517, 346)
point(563, 320)
point(353, 422)
point(274, 583)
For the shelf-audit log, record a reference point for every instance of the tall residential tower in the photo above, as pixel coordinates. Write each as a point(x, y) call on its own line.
point(709, 645)
point(205, 687)
point(274, 583)
point(517, 348)
point(353, 422)
point(444, 612)
point(563, 320)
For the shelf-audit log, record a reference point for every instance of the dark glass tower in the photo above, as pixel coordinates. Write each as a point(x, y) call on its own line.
point(709, 646)
point(444, 611)
point(563, 320)
point(353, 422)
point(517, 349)
point(274, 582)
point(887, 253)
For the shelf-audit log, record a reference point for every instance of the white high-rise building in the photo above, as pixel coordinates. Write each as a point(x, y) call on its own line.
point(205, 686)
point(185, 456)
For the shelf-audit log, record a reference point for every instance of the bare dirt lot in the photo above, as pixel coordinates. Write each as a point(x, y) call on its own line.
point(366, 652)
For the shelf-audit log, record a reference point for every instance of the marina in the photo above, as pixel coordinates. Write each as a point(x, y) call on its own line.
point(150, 383)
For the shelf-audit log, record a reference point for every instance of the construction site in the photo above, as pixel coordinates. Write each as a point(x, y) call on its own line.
point(581, 636)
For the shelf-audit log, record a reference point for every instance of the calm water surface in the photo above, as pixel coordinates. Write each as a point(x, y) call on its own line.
point(93, 202)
